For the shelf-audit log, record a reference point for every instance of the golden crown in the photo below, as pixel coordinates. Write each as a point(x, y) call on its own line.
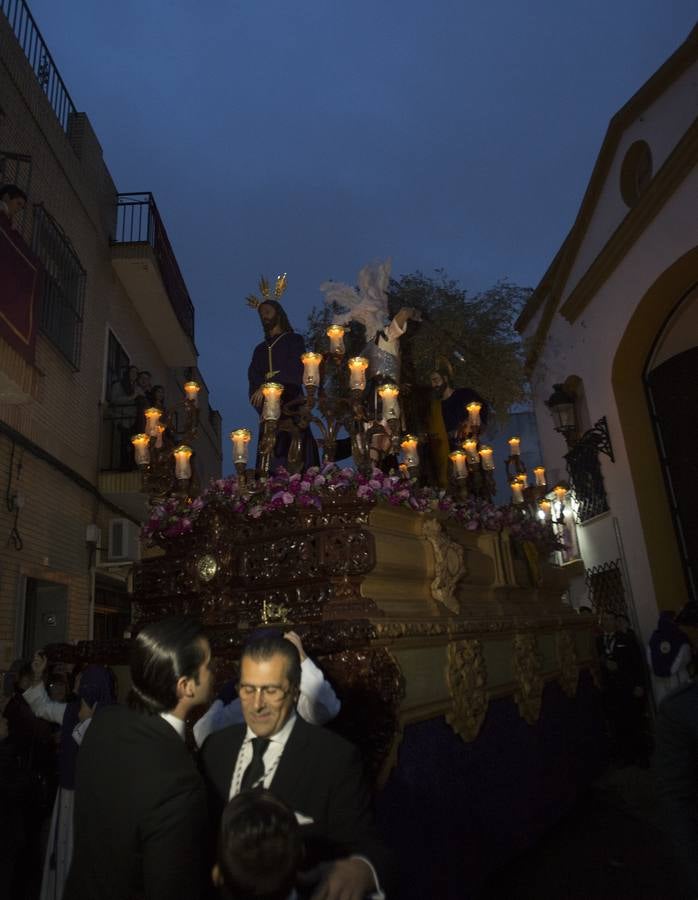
point(255, 302)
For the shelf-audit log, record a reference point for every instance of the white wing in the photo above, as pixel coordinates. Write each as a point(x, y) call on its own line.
point(336, 292)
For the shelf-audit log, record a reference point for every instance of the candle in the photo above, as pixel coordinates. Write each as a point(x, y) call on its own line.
point(539, 473)
point(458, 458)
point(182, 456)
point(389, 394)
point(474, 415)
point(158, 437)
point(517, 490)
point(409, 450)
point(311, 368)
point(514, 446)
point(560, 492)
point(152, 420)
point(336, 335)
point(141, 449)
point(272, 400)
point(522, 478)
point(470, 447)
point(487, 458)
point(544, 507)
point(357, 369)
point(241, 437)
point(191, 389)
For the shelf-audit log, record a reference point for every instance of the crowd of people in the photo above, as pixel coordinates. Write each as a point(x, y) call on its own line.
point(257, 800)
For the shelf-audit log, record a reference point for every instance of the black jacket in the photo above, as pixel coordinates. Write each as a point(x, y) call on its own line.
point(140, 812)
point(320, 776)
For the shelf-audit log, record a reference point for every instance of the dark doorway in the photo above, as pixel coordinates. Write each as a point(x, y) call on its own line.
point(673, 394)
point(45, 615)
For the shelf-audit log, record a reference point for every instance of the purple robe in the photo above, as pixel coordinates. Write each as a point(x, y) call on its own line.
point(286, 369)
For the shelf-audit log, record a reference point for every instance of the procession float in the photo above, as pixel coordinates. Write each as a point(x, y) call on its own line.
point(438, 616)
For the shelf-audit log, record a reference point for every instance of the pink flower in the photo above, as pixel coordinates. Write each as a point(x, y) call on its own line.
point(255, 511)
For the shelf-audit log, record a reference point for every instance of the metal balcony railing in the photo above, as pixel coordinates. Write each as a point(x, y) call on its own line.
point(138, 222)
point(32, 43)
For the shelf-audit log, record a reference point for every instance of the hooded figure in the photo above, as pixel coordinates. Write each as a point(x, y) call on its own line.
point(669, 655)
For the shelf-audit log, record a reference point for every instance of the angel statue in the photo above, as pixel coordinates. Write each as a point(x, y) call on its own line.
point(369, 307)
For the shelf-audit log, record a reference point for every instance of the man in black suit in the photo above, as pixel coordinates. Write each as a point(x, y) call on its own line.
point(140, 803)
point(315, 772)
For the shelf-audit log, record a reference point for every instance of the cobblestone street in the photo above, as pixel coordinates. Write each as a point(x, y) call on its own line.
point(610, 848)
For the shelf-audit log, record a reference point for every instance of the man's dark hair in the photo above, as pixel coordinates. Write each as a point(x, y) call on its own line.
point(12, 191)
point(281, 312)
point(266, 646)
point(163, 652)
point(259, 848)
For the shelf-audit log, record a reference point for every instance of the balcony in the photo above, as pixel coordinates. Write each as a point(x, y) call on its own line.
point(145, 263)
point(119, 479)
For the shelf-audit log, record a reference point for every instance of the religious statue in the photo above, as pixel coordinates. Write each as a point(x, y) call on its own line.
point(369, 307)
point(278, 359)
point(448, 416)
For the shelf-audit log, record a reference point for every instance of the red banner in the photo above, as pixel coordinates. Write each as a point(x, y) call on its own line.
point(20, 281)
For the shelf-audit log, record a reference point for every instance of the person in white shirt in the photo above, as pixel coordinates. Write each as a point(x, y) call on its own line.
point(317, 701)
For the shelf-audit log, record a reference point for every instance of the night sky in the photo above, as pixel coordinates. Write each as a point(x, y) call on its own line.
point(312, 136)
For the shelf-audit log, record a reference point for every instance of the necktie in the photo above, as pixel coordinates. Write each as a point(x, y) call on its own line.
point(255, 771)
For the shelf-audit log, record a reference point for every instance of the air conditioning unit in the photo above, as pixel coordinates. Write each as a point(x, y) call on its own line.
point(124, 541)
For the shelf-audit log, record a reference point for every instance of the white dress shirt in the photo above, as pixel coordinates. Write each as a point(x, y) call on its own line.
point(177, 724)
point(317, 704)
point(43, 706)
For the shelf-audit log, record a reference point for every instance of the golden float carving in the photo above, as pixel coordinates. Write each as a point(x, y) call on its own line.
point(527, 665)
point(449, 565)
point(467, 683)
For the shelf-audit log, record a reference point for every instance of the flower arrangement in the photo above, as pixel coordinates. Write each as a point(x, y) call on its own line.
point(319, 486)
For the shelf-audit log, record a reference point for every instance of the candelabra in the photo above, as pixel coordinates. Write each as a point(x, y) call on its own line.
point(162, 453)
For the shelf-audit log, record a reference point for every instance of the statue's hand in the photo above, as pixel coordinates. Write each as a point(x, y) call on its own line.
point(257, 399)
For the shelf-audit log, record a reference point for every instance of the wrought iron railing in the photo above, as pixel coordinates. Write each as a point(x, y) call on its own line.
point(605, 588)
point(32, 43)
point(63, 291)
point(138, 222)
point(584, 469)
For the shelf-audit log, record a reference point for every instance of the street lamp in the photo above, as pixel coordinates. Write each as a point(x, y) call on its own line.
point(562, 408)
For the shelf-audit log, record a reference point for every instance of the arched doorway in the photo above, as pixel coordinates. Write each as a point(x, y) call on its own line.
point(671, 378)
point(637, 354)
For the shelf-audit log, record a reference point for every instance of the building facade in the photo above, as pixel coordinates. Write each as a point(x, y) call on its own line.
point(93, 288)
point(614, 323)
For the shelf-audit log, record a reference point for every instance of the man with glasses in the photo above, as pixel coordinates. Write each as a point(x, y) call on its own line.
point(315, 772)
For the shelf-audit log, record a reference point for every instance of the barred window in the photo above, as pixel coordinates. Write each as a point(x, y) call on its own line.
point(605, 588)
point(63, 297)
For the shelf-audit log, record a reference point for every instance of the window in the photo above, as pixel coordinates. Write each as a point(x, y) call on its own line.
point(63, 295)
point(605, 588)
point(118, 363)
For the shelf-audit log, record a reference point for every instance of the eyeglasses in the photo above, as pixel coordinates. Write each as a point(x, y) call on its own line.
point(269, 691)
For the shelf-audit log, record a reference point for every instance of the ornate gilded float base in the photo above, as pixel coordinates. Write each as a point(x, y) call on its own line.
point(527, 665)
point(467, 683)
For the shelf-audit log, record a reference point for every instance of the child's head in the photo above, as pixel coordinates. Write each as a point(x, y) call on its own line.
point(259, 848)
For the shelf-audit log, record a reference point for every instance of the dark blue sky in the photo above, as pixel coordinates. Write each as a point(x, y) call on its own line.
point(314, 135)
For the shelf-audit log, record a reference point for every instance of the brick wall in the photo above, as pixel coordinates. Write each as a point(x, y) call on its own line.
point(69, 177)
